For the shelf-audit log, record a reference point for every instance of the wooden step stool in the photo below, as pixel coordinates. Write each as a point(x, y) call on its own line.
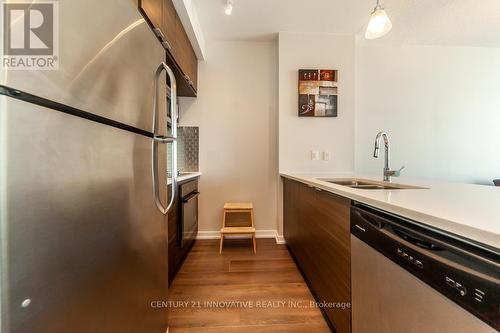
point(243, 227)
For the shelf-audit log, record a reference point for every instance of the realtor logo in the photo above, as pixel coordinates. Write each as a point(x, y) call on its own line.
point(30, 35)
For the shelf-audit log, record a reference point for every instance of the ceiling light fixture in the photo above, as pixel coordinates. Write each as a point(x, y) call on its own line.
point(229, 7)
point(379, 23)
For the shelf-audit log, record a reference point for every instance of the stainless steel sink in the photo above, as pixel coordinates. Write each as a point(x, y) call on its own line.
point(369, 184)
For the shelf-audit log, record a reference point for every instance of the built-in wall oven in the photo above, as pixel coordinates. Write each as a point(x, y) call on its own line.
point(409, 278)
point(189, 214)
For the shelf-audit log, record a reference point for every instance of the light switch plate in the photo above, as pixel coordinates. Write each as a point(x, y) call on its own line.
point(326, 156)
point(314, 155)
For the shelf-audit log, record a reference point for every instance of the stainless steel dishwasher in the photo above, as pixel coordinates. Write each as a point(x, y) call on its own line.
point(407, 277)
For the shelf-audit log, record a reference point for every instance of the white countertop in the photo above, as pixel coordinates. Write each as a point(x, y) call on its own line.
point(471, 211)
point(186, 176)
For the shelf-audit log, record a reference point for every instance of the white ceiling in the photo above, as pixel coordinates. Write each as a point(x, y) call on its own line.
point(447, 22)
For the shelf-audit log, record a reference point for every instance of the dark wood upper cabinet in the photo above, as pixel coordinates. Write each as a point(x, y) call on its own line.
point(169, 26)
point(180, 55)
point(186, 56)
point(152, 9)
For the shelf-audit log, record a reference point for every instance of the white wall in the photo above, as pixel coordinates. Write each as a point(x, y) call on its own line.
point(236, 111)
point(298, 136)
point(440, 105)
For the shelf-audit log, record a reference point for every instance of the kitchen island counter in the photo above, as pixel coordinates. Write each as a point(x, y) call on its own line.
point(467, 210)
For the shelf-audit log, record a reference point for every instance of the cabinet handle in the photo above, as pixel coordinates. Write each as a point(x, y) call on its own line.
point(360, 228)
point(159, 34)
point(318, 189)
point(163, 40)
point(191, 196)
point(188, 79)
point(166, 45)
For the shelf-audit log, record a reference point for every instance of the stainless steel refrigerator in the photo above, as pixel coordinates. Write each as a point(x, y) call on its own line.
point(83, 179)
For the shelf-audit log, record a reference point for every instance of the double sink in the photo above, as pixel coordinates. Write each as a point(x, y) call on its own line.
point(364, 184)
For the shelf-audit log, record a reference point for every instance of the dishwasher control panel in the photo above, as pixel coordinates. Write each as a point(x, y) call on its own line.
point(410, 258)
point(456, 285)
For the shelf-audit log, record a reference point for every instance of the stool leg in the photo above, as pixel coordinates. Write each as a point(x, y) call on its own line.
point(254, 245)
point(221, 241)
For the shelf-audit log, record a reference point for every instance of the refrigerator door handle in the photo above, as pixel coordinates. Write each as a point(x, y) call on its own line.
point(157, 139)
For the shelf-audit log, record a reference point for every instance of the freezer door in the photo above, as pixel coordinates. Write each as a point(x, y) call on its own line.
point(107, 58)
point(83, 246)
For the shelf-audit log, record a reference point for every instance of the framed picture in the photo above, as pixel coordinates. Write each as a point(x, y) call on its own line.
point(318, 93)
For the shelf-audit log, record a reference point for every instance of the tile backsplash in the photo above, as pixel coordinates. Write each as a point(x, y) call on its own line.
point(188, 142)
point(188, 149)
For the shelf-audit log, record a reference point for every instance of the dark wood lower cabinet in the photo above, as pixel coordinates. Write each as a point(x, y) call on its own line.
point(177, 253)
point(317, 232)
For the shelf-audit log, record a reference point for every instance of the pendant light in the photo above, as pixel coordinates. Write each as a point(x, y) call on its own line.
point(229, 7)
point(379, 23)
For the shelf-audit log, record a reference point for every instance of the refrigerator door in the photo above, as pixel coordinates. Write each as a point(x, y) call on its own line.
point(83, 246)
point(107, 58)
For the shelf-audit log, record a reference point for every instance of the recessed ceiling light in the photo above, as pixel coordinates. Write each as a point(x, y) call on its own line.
point(379, 23)
point(229, 7)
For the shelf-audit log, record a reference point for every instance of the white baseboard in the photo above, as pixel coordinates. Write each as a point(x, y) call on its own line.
point(259, 233)
point(208, 235)
point(280, 239)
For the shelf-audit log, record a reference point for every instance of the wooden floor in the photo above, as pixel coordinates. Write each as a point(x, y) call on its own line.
point(238, 291)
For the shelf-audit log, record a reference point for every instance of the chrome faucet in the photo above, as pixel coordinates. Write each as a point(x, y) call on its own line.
point(388, 173)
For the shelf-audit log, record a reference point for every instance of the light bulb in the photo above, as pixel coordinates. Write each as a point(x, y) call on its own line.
point(229, 7)
point(379, 24)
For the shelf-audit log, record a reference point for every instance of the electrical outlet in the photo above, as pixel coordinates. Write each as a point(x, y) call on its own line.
point(326, 156)
point(314, 155)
